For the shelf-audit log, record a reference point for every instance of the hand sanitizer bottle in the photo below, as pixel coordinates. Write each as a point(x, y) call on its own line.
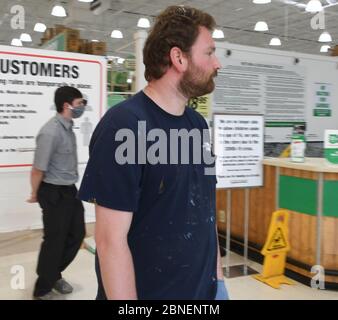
point(298, 144)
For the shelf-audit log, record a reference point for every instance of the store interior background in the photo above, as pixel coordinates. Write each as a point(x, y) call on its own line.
point(20, 223)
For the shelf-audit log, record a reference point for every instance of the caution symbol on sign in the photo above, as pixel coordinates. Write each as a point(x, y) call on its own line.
point(277, 241)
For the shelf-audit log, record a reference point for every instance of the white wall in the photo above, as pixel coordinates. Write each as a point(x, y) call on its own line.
point(15, 212)
point(317, 69)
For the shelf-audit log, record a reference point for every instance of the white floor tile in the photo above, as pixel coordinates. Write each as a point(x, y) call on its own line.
point(81, 274)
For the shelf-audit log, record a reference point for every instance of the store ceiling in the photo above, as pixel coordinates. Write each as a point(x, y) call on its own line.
point(286, 19)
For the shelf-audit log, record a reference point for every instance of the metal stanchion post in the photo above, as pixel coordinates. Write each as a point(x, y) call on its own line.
point(238, 270)
point(246, 229)
point(228, 233)
point(277, 187)
point(319, 218)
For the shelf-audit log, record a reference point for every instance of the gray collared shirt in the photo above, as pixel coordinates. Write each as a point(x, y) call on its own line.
point(56, 152)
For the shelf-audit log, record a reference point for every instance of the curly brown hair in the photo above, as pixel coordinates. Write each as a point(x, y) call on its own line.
point(176, 26)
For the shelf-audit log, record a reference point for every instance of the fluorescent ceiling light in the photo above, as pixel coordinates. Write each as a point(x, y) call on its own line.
point(261, 26)
point(85, 1)
point(275, 42)
point(324, 48)
point(16, 42)
point(325, 37)
point(143, 23)
point(59, 11)
point(40, 27)
point(117, 34)
point(218, 34)
point(25, 37)
point(94, 40)
point(314, 6)
point(261, 1)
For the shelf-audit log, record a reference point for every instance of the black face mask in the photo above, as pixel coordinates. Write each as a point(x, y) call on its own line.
point(77, 112)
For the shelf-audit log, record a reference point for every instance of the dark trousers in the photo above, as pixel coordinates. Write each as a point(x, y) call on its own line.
point(64, 230)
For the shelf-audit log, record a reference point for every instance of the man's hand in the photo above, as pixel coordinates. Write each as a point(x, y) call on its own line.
point(36, 178)
point(32, 199)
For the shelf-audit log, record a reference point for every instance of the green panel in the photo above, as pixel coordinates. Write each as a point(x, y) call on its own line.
point(322, 112)
point(330, 203)
point(57, 43)
point(323, 93)
point(298, 194)
point(115, 99)
point(283, 124)
point(331, 155)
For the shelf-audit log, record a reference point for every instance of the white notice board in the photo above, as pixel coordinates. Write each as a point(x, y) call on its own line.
point(239, 150)
point(28, 80)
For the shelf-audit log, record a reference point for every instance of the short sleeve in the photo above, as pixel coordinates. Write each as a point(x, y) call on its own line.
point(106, 182)
point(45, 146)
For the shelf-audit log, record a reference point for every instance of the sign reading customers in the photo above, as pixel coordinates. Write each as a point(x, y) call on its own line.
point(28, 80)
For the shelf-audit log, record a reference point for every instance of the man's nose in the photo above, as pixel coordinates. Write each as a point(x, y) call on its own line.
point(217, 64)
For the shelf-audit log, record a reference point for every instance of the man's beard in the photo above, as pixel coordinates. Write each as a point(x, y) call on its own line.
point(194, 82)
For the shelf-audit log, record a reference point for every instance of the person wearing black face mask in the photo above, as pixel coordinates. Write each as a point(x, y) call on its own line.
point(53, 177)
point(77, 111)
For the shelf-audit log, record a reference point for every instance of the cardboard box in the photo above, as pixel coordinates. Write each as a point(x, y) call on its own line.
point(70, 33)
point(83, 45)
point(73, 45)
point(97, 48)
point(59, 28)
point(334, 51)
point(43, 40)
point(49, 33)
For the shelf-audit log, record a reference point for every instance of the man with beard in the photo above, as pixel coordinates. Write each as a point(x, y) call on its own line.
point(156, 234)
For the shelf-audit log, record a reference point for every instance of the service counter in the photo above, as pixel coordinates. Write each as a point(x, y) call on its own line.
point(309, 191)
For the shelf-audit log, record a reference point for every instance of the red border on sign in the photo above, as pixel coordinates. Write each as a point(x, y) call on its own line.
point(57, 58)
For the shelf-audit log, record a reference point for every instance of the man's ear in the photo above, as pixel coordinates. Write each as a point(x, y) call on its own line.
point(178, 59)
point(65, 105)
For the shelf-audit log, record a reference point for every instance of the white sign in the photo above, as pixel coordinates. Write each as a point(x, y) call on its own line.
point(277, 91)
point(238, 146)
point(28, 80)
point(331, 146)
point(322, 99)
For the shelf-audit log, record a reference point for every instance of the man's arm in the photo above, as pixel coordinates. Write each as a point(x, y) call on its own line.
point(36, 178)
point(116, 263)
point(45, 146)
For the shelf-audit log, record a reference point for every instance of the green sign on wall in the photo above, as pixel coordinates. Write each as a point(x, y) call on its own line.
point(331, 146)
point(322, 107)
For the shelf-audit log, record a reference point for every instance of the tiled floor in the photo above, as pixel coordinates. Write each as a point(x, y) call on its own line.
point(81, 275)
point(247, 288)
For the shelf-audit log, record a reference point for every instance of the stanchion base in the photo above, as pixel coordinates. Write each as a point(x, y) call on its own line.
point(238, 271)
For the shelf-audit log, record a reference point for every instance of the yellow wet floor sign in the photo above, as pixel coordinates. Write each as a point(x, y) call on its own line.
point(275, 250)
point(277, 241)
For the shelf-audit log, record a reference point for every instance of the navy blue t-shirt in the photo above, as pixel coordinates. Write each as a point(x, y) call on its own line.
point(172, 237)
